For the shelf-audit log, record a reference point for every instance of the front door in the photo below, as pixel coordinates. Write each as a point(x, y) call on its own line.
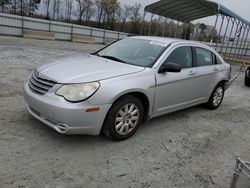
point(177, 90)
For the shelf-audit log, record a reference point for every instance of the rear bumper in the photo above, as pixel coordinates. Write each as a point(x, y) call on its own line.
point(63, 116)
point(229, 83)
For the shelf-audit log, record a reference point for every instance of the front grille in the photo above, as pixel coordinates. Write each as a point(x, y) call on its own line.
point(39, 84)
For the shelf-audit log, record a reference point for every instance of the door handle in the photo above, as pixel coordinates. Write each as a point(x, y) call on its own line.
point(215, 69)
point(191, 73)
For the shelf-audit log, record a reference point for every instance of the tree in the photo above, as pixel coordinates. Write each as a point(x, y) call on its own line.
point(99, 8)
point(56, 9)
point(89, 11)
point(135, 17)
point(33, 6)
point(125, 12)
point(203, 29)
point(3, 3)
point(68, 9)
point(83, 5)
point(110, 8)
point(23, 7)
point(47, 6)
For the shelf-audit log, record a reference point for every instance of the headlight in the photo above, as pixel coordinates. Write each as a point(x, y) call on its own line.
point(78, 92)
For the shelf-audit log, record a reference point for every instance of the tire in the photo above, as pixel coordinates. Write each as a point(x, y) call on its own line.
point(247, 77)
point(124, 118)
point(216, 97)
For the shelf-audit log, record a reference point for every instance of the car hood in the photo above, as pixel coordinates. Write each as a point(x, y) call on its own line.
point(85, 68)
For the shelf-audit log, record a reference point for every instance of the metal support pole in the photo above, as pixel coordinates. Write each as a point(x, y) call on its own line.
point(230, 35)
point(235, 50)
point(143, 22)
point(22, 18)
point(149, 29)
point(240, 42)
point(238, 58)
point(237, 25)
point(21, 7)
point(247, 48)
point(49, 25)
point(245, 44)
point(223, 17)
point(104, 36)
point(216, 21)
point(29, 8)
point(22, 26)
point(72, 31)
point(228, 19)
point(15, 7)
point(91, 31)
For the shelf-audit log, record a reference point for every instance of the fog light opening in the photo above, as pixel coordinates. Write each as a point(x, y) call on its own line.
point(62, 127)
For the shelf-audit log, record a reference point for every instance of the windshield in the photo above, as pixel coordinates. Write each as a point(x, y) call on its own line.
point(133, 51)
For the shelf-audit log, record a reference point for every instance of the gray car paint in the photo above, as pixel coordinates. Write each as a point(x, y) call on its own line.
point(165, 92)
point(85, 68)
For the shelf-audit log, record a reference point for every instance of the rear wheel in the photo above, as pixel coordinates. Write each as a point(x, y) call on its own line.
point(247, 77)
point(124, 118)
point(216, 97)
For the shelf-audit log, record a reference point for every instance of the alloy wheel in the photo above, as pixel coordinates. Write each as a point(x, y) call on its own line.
point(127, 119)
point(218, 96)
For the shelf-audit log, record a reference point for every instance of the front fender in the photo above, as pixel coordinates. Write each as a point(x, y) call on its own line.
point(112, 89)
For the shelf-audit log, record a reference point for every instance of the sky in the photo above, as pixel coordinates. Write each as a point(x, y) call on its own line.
point(241, 7)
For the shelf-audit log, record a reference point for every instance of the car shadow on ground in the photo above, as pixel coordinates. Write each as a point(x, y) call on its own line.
point(146, 128)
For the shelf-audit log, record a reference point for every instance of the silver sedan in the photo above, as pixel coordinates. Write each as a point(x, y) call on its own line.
point(124, 84)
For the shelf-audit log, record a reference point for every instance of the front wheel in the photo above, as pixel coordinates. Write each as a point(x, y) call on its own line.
point(216, 97)
point(124, 118)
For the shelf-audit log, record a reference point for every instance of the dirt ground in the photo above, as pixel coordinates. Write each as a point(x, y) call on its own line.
point(193, 148)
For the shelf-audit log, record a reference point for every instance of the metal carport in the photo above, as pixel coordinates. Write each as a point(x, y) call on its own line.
point(188, 10)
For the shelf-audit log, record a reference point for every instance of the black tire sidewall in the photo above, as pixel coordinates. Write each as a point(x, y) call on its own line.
point(247, 77)
point(210, 103)
point(109, 124)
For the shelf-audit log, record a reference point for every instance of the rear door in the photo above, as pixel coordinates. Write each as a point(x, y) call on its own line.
point(208, 70)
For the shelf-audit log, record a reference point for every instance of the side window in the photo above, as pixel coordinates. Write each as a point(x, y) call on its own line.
point(182, 56)
point(203, 57)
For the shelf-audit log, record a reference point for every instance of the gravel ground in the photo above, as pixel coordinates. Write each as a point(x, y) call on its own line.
point(193, 148)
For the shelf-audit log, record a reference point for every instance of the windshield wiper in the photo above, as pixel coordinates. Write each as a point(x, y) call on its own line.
point(112, 58)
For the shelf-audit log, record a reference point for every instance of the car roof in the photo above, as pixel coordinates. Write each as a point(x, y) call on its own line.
point(170, 40)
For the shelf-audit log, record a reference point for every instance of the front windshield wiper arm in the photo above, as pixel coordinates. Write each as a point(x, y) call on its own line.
point(111, 57)
point(95, 54)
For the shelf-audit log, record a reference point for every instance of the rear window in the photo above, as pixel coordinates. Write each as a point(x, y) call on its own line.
point(203, 57)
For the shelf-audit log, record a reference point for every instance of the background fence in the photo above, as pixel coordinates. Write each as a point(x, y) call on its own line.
point(13, 25)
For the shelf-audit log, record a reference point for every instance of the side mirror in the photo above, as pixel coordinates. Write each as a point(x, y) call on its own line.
point(170, 67)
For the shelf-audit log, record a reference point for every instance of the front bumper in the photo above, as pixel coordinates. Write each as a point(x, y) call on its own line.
point(63, 116)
